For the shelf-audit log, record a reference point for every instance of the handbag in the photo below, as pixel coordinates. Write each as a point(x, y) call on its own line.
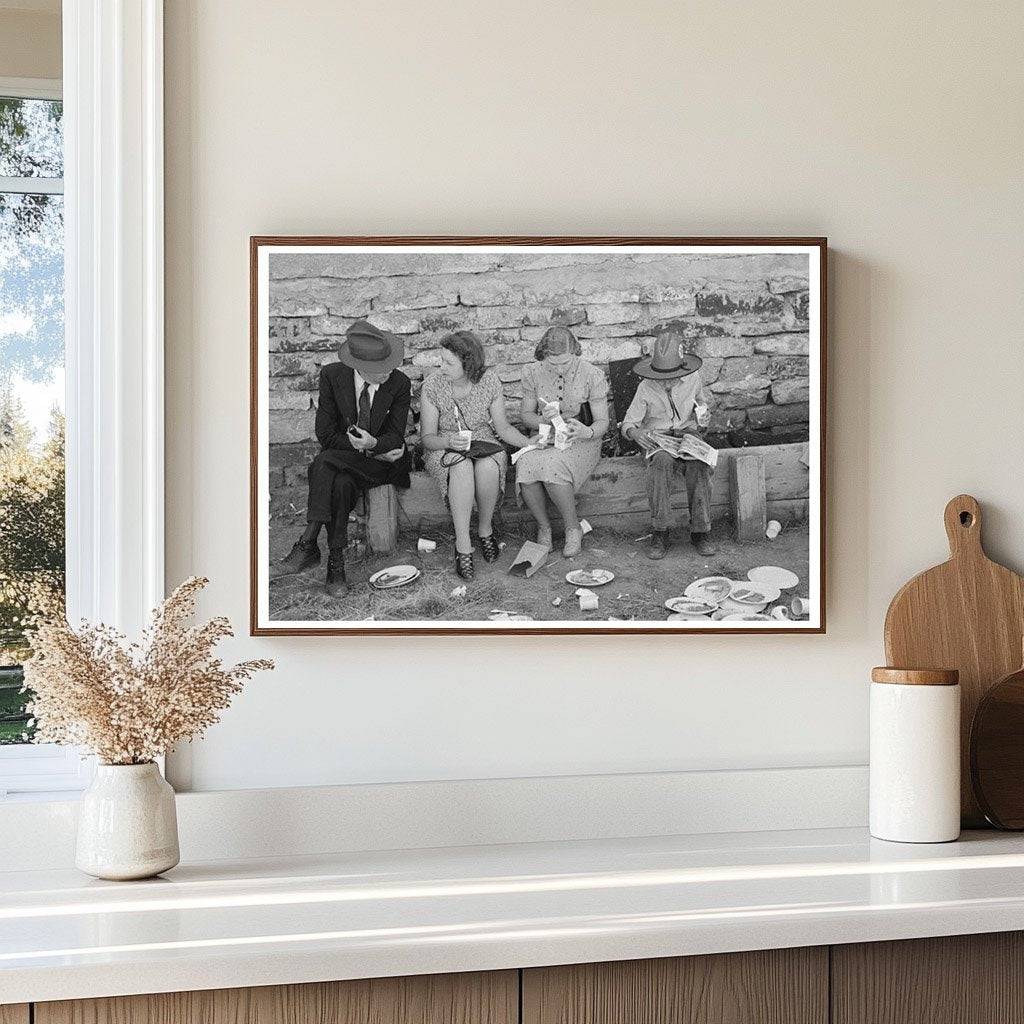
point(478, 449)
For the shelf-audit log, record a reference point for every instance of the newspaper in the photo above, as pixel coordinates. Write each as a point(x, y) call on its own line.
point(687, 446)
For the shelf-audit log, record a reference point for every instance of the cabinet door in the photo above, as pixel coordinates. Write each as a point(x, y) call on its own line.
point(482, 998)
point(962, 979)
point(12, 1013)
point(778, 986)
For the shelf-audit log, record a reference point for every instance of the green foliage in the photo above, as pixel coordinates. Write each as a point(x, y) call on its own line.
point(31, 138)
point(31, 544)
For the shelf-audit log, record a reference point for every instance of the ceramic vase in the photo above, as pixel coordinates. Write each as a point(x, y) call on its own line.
point(127, 825)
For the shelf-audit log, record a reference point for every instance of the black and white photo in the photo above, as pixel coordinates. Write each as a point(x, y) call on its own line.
point(557, 435)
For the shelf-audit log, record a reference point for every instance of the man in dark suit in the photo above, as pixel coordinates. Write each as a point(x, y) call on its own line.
point(361, 420)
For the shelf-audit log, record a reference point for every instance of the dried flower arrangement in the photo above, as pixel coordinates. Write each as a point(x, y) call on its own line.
point(129, 703)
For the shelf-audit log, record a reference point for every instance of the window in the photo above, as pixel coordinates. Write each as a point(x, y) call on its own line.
point(94, 167)
point(31, 411)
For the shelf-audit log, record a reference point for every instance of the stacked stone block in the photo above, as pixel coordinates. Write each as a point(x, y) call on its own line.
point(746, 316)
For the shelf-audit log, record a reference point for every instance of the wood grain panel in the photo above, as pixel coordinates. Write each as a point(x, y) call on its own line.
point(480, 998)
point(14, 1013)
point(779, 986)
point(965, 614)
point(963, 979)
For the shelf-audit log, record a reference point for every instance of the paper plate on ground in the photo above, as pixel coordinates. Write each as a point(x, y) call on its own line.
point(589, 577)
point(753, 596)
point(689, 609)
point(731, 607)
point(710, 589)
point(394, 576)
point(745, 617)
point(688, 618)
point(773, 576)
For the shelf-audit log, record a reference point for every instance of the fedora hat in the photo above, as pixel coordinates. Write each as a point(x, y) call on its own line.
point(667, 361)
point(368, 349)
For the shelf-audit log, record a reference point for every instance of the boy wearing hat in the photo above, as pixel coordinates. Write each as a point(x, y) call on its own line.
point(361, 419)
point(670, 399)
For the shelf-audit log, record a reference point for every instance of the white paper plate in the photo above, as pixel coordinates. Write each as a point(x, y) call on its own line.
point(688, 618)
point(690, 609)
point(731, 607)
point(774, 576)
point(394, 576)
point(746, 617)
point(710, 589)
point(589, 577)
point(753, 595)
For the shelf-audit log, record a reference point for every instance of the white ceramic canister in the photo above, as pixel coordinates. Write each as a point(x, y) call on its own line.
point(915, 755)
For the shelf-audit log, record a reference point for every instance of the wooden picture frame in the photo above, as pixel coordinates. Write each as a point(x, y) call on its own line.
point(768, 304)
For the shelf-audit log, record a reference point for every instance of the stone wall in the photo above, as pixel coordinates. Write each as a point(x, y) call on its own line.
point(746, 316)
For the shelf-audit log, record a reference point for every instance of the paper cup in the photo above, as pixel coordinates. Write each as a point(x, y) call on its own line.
point(779, 612)
point(800, 607)
point(425, 545)
point(774, 529)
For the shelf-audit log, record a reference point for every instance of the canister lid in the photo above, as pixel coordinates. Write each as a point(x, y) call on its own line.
point(916, 676)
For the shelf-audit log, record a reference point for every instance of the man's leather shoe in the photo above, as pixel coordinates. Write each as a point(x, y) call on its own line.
point(659, 542)
point(336, 585)
point(300, 558)
point(702, 542)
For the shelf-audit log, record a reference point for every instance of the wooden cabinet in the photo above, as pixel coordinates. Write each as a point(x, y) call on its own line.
point(962, 979)
point(491, 998)
point(971, 979)
point(777, 986)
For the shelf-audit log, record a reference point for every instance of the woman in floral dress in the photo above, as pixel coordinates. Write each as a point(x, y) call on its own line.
point(559, 383)
point(465, 395)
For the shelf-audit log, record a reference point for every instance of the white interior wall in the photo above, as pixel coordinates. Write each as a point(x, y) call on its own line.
point(895, 129)
point(30, 39)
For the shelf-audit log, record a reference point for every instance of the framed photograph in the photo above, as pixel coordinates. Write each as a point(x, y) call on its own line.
point(537, 435)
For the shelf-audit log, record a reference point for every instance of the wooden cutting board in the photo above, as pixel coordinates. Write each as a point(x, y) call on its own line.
point(967, 614)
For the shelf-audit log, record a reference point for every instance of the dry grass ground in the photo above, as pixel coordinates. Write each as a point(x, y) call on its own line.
point(637, 593)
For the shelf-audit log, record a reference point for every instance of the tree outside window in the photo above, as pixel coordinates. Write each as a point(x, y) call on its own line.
point(31, 386)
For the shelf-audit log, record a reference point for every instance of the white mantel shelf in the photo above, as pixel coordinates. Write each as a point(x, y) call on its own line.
point(266, 922)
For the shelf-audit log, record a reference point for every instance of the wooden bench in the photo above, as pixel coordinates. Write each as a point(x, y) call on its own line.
point(749, 486)
point(380, 509)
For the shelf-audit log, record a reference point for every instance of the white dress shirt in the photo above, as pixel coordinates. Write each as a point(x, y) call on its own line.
point(360, 381)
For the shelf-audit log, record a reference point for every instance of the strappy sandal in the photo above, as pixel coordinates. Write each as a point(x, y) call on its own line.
point(464, 565)
point(489, 548)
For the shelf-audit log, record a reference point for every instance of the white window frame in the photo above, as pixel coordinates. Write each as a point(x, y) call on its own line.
point(114, 326)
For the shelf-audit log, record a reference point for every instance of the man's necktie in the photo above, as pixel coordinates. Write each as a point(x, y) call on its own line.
point(675, 408)
point(364, 407)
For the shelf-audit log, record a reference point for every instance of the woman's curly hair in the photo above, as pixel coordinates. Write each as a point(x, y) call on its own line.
point(557, 332)
point(466, 345)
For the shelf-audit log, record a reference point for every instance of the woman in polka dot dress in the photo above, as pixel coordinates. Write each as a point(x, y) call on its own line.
point(558, 384)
